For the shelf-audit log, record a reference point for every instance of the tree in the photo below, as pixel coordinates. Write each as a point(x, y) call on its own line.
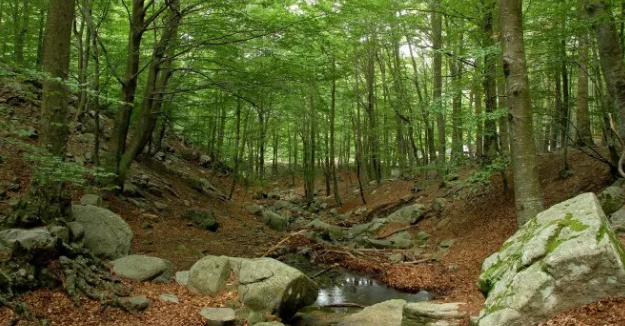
point(527, 191)
point(611, 55)
point(49, 196)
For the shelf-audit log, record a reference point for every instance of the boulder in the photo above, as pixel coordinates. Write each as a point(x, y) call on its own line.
point(205, 161)
point(91, 199)
point(218, 316)
point(617, 221)
point(130, 190)
point(611, 199)
point(202, 219)
point(28, 239)
point(567, 256)
point(274, 288)
point(432, 314)
point(409, 214)
point(141, 268)
point(274, 221)
point(281, 204)
point(107, 235)
point(208, 276)
point(329, 231)
point(388, 313)
point(255, 209)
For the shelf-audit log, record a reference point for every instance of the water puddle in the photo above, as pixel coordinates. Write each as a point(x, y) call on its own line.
point(353, 289)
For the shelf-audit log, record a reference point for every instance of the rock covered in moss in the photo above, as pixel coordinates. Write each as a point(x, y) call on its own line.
point(202, 219)
point(566, 256)
point(611, 199)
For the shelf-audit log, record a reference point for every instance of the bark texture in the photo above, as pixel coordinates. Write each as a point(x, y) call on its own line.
point(527, 191)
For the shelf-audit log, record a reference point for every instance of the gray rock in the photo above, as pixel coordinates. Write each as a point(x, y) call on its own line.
point(447, 243)
point(611, 199)
point(330, 231)
point(274, 221)
point(208, 276)
point(202, 219)
point(60, 232)
point(91, 199)
point(409, 214)
point(269, 323)
point(130, 190)
point(617, 221)
point(255, 209)
point(169, 298)
point(137, 304)
point(438, 205)
point(218, 316)
point(141, 268)
point(30, 240)
point(205, 160)
point(431, 314)
point(567, 256)
point(271, 287)
point(281, 204)
point(182, 278)
point(388, 313)
point(162, 207)
point(107, 235)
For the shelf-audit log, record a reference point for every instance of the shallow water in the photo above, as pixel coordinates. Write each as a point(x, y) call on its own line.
point(349, 288)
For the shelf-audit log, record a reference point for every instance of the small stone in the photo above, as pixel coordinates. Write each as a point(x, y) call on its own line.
point(396, 258)
point(447, 243)
point(161, 206)
point(169, 298)
point(218, 316)
point(151, 218)
point(137, 304)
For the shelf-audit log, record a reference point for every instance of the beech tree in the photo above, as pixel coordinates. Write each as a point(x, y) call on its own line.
point(527, 191)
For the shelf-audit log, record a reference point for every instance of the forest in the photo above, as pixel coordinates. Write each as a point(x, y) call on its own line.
point(312, 162)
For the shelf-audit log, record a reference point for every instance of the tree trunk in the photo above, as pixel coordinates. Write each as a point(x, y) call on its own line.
point(584, 134)
point(129, 85)
point(527, 191)
point(51, 202)
point(437, 44)
point(335, 182)
point(611, 55)
point(159, 73)
point(489, 83)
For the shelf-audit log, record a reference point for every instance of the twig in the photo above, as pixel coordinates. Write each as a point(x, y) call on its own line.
point(272, 249)
point(322, 272)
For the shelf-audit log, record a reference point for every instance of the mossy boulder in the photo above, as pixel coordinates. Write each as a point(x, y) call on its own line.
point(611, 199)
point(202, 219)
point(566, 256)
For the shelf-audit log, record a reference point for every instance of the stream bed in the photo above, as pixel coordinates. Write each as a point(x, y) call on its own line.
point(345, 293)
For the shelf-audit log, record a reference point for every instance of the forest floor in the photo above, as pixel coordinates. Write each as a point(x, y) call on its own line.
point(479, 224)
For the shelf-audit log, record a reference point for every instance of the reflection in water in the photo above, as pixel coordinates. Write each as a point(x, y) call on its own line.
point(363, 291)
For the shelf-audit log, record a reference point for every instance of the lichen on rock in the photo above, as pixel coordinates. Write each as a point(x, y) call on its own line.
point(566, 256)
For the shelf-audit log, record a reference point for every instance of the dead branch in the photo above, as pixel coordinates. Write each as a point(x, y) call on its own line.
point(272, 249)
point(620, 140)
